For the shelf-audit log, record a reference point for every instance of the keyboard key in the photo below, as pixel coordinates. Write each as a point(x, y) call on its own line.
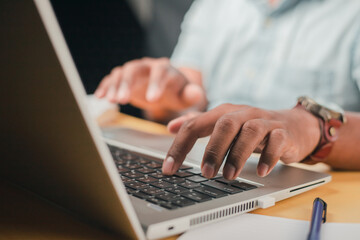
point(223, 187)
point(157, 175)
point(183, 174)
point(152, 190)
point(142, 161)
point(197, 178)
point(147, 179)
point(122, 169)
point(126, 179)
point(177, 189)
point(131, 165)
point(194, 171)
point(183, 202)
point(190, 184)
point(196, 196)
point(133, 174)
point(162, 184)
point(146, 170)
point(223, 180)
point(174, 179)
point(141, 195)
point(185, 167)
point(130, 190)
point(136, 185)
point(154, 165)
point(242, 185)
point(166, 196)
point(215, 193)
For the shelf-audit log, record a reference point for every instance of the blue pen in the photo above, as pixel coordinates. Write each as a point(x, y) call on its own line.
point(318, 217)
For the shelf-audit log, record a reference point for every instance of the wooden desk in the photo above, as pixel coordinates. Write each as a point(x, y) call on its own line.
point(25, 216)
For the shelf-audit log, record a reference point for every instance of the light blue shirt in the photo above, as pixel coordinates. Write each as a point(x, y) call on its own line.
point(252, 54)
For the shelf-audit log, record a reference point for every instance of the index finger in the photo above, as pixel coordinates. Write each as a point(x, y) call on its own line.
point(190, 131)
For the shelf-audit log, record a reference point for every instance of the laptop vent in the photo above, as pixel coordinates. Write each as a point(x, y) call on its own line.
point(241, 208)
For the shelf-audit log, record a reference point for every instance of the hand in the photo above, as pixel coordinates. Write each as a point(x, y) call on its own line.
point(239, 130)
point(152, 84)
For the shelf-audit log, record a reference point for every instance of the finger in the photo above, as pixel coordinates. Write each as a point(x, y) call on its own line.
point(103, 87)
point(252, 133)
point(189, 132)
point(277, 144)
point(175, 124)
point(128, 80)
point(157, 75)
point(114, 81)
point(225, 130)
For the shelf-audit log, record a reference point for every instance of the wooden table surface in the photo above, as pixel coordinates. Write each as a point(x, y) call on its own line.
point(25, 216)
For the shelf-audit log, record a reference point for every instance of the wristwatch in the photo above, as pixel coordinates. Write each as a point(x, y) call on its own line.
point(331, 118)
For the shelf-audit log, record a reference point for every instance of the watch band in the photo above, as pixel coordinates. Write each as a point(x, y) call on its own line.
point(329, 126)
point(329, 135)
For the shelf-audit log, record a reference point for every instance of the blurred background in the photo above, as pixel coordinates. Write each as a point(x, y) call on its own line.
point(105, 34)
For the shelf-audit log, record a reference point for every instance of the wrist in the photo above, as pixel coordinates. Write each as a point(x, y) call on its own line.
point(309, 128)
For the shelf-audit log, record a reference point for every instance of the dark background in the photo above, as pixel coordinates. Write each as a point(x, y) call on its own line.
point(104, 34)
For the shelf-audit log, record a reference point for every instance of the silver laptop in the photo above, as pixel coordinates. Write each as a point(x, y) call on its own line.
point(51, 146)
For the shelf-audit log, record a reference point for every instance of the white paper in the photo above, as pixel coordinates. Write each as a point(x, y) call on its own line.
point(255, 226)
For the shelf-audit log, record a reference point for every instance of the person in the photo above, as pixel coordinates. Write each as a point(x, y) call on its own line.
point(262, 54)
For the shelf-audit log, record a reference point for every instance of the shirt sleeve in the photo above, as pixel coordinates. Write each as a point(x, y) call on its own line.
point(195, 29)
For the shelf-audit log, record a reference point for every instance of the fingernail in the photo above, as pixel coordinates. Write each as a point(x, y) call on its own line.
point(229, 171)
point(208, 170)
point(262, 169)
point(152, 93)
point(168, 165)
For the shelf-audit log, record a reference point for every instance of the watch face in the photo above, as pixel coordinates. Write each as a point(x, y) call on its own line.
point(330, 106)
point(325, 110)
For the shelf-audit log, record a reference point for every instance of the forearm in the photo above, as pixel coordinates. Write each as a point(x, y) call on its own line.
point(345, 154)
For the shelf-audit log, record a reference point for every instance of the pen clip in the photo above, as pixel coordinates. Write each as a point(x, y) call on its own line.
point(324, 209)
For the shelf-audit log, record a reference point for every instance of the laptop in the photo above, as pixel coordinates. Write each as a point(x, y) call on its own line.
point(52, 146)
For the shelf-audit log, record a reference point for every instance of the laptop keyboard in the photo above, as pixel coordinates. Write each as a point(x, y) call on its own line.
point(143, 179)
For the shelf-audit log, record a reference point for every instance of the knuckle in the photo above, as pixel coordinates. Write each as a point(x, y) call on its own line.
point(278, 135)
point(226, 123)
point(253, 127)
point(188, 125)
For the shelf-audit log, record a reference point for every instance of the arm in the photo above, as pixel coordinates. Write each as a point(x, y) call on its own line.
point(238, 130)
